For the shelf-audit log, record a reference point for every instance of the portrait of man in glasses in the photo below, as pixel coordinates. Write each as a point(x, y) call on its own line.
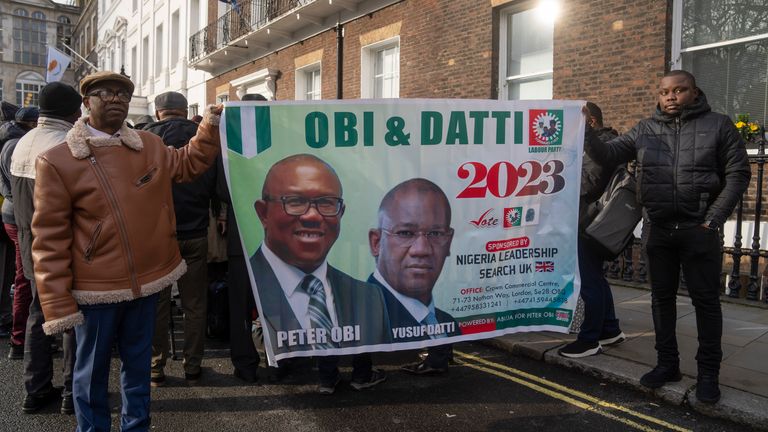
point(410, 246)
point(306, 303)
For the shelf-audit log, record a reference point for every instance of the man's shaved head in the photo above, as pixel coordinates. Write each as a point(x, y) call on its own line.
point(302, 240)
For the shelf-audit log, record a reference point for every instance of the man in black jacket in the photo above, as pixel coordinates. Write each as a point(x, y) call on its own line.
point(191, 203)
point(692, 170)
point(24, 120)
point(600, 326)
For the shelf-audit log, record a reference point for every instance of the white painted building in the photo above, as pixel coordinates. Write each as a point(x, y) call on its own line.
point(150, 38)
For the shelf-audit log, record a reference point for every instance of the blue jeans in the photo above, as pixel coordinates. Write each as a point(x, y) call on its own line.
point(599, 314)
point(131, 325)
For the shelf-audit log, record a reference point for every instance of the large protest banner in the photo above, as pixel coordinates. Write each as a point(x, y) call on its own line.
point(477, 231)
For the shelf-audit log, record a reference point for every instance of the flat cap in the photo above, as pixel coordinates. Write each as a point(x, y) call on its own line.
point(103, 76)
point(170, 101)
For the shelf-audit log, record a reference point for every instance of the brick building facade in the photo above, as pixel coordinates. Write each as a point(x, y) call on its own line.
point(450, 49)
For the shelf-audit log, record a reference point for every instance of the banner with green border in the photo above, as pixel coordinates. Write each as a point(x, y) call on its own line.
point(381, 225)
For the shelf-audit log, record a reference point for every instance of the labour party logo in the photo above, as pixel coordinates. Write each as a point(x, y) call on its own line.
point(546, 127)
point(512, 217)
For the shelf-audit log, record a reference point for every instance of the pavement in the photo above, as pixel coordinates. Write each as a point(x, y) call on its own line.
point(743, 373)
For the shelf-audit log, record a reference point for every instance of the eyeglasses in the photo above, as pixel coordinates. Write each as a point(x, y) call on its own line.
point(406, 238)
point(295, 205)
point(109, 95)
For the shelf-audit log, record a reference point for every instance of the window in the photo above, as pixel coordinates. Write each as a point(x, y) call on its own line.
point(122, 54)
point(308, 82)
point(134, 63)
point(222, 98)
point(94, 32)
point(725, 45)
point(193, 110)
point(175, 32)
point(29, 38)
point(380, 70)
point(159, 59)
point(145, 59)
point(28, 85)
point(194, 16)
point(526, 54)
point(63, 33)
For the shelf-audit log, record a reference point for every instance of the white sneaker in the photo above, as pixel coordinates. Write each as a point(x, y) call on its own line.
point(614, 340)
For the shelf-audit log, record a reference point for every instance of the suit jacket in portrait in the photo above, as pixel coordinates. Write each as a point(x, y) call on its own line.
point(399, 316)
point(355, 303)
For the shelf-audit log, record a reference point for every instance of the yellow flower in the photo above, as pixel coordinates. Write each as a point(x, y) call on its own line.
point(753, 127)
point(740, 124)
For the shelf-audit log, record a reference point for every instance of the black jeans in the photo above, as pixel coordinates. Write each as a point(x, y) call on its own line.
point(328, 368)
point(38, 360)
point(697, 249)
point(241, 348)
point(599, 314)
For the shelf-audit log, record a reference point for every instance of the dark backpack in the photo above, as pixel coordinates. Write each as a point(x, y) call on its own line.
point(218, 310)
point(616, 215)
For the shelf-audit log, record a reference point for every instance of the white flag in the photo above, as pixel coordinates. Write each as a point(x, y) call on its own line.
point(57, 64)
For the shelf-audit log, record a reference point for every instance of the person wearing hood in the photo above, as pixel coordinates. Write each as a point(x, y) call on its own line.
point(7, 111)
point(24, 121)
point(692, 170)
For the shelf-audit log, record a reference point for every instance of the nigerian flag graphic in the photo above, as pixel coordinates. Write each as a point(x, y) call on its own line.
point(248, 130)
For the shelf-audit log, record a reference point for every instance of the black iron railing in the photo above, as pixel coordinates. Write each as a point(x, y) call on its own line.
point(249, 16)
point(630, 266)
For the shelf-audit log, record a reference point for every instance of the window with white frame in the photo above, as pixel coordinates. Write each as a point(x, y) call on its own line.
point(159, 57)
point(63, 32)
point(222, 98)
point(193, 110)
point(380, 70)
point(28, 85)
point(175, 32)
point(145, 59)
point(29, 38)
point(526, 53)
point(308, 82)
point(724, 44)
point(134, 64)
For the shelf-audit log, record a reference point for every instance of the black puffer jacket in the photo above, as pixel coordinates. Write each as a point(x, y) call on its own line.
point(5, 181)
point(594, 179)
point(191, 201)
point(11, 130)
point(691, 168)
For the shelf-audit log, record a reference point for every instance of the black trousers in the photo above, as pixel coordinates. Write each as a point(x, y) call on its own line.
point(241, 348)
point(697, 250)
point(38, 360)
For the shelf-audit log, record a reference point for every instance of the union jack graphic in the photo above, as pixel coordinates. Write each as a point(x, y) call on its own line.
point(545, 266)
